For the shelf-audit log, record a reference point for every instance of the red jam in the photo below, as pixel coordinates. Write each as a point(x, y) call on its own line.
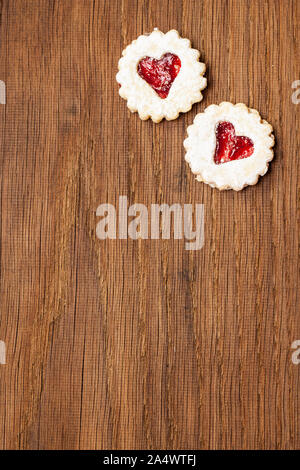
point(160, 73)
point(230, 146)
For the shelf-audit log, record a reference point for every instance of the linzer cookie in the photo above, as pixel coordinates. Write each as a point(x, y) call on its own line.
point(229, 146)
point(160, 75)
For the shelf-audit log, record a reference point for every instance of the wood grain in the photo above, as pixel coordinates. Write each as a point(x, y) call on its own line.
point(123, 344)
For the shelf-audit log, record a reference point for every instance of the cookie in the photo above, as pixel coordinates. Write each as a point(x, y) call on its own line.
point(160, 76)
point(229, 146)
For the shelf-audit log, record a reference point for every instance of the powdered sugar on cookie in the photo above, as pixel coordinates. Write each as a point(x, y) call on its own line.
point(160, 75)
point(243, 138)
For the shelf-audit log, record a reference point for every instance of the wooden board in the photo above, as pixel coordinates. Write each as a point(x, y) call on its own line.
point(123, 344)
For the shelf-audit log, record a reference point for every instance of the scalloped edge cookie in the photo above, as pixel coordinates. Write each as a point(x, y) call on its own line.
point(186, 88)
point(201, 143)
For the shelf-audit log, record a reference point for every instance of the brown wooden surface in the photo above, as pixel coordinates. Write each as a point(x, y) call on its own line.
point(142, 344)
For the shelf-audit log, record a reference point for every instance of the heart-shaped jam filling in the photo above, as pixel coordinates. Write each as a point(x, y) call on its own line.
point(160, 73)
point(230, 146)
